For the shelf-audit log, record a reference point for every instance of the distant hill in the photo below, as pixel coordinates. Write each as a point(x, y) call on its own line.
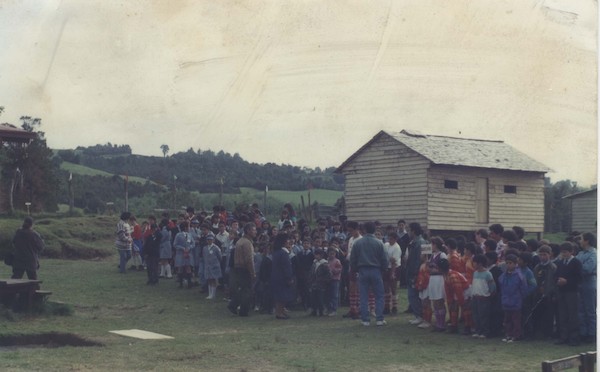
point(185, 178)
point(204, 171)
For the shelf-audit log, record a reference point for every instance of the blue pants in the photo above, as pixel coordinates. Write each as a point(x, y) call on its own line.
point(370, 277)
point(480, 306)
point(124, 256)
point(587, 308)
point(413, 299)
point(335, 295)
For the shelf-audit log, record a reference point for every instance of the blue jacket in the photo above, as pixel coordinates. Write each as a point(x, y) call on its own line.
point(588, 266)
point(513, 287)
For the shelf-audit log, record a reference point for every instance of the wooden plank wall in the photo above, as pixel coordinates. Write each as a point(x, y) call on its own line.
point(585, 212)
point(455, 209)
point(386, 181)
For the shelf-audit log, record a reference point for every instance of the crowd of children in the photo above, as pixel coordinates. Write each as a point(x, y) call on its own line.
point(495, 285)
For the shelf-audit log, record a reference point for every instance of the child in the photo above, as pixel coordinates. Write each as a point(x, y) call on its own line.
point(456, 262)
point(482, 289)
point(545, 295)
point(319, 279)
point(264, 283)
point(496, 313)
point(212, 265)
point(524, 261)
point(136, 252)
point(303, 262)
point(389, 279)
point(184, 260)
point(470, 251)
point(569, 273)
point(435, 289)
point(421, 284)
point(455, 286)
point(335, 267)
point(166, 250)
point(513, 288)
point(152, 253)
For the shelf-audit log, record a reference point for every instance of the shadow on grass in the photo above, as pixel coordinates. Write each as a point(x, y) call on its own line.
point(49, 340)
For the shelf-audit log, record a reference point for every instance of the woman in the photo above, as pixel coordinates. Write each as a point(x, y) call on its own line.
point(28, 245)
point(281, 276)
point(124, 241)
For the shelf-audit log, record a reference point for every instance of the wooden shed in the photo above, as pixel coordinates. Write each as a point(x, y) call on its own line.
point(584, 211)
point(444, 183)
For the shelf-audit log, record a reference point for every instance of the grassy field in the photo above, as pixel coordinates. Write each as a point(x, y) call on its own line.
point(327, 197)
point(87, 171)
point(208, 338)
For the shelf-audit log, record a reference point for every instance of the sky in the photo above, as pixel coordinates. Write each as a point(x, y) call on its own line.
point(306, 83)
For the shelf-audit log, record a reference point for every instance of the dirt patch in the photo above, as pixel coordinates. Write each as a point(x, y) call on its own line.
point(49, 340)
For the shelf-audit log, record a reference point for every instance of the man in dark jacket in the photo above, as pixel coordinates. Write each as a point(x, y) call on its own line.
point(413, 262)
point(28, 245)
point(569, 274)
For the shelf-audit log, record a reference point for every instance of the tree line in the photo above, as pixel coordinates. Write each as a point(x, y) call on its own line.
point(32, 174)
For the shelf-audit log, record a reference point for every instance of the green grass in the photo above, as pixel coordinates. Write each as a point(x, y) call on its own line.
point(327, 197)
point(208, 338)
point(87, 171)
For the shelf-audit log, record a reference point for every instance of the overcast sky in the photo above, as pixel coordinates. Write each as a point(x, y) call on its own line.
point(305, 82)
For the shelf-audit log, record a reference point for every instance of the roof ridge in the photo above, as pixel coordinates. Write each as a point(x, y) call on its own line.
point(465, 139)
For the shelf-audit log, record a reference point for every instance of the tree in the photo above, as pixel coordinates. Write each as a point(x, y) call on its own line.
point(30, 171)
point(557, 211)
point(165, 150)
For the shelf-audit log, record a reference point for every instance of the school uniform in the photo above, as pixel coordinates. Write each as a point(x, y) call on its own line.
point(568, 299)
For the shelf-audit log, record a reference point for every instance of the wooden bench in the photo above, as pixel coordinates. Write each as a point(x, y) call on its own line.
point(586, 362)
point(23, 287)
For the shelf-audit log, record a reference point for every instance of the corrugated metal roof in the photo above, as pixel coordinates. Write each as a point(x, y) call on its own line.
point(468, 152)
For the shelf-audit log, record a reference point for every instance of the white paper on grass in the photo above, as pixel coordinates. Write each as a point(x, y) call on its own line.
point(144, 335)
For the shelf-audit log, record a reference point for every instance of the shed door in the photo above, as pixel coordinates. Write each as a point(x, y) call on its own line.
point(482, 205)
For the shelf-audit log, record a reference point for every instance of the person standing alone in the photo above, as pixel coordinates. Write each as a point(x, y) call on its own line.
point(28, 245)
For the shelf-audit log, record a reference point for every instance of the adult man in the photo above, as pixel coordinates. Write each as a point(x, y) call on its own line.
point(403, 240)
point(495, 234)
point(370, 260)
point(587, 289)
point(243, 274)
point(413, 262)
point(28, 245)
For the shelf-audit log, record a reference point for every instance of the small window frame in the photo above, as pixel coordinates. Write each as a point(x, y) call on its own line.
point(510, 189)
point(451, 184)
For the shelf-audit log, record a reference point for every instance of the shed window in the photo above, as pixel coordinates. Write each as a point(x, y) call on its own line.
point(448, 184)
point(510, 189)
